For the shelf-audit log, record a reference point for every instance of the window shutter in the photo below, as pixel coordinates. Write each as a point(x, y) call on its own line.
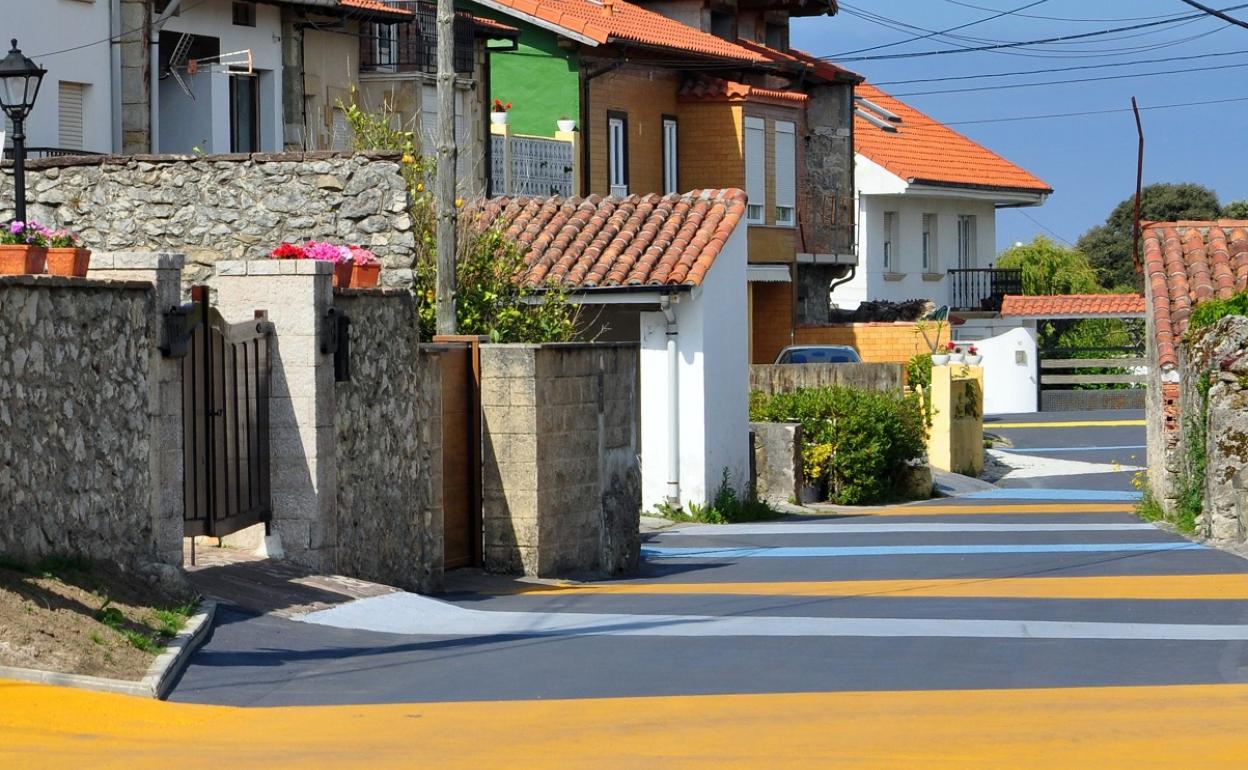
point(786, 171)
point(70, 116)
point(755, 169)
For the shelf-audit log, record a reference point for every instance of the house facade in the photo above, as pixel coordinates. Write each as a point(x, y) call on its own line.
point(927, 203)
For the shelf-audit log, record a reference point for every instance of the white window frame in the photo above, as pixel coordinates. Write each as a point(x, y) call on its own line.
point(929, 243)
point(617, 153)
point(671, 179)
point(756, 171)
point(889, 249)
point(786, 173)
point(966, 241)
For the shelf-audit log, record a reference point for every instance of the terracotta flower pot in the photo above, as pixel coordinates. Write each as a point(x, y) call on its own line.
point(342, 275)
point(20, 259)
point(365, 276)
point(68, 261)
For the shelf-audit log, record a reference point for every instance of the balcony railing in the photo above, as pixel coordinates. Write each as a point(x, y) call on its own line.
point(413, 46)
point(983, 288)
point(33, 153)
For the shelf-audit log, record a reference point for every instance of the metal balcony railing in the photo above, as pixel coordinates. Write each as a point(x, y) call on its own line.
point(46, 152)
point(983, 289)
point(413, 46)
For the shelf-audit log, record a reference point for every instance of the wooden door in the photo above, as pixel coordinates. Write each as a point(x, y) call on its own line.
point(461, 451)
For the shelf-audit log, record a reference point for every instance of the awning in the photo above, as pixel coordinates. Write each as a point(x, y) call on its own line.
point(768, 274)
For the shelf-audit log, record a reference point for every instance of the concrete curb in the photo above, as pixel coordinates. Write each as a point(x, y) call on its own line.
point(160, 675)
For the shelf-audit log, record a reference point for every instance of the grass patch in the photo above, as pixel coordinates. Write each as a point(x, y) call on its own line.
point(1149, 508)
point(727, 507)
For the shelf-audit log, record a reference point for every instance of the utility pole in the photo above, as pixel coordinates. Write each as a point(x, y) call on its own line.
point(447, 214)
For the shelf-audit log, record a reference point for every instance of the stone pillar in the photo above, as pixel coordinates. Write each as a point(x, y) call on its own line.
point(955, 440)
point(164, 271)
point(297, 295)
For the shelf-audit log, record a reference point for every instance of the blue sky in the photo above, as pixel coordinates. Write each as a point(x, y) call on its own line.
point(1088, 160)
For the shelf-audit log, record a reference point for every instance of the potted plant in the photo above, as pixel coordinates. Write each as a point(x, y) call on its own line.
point(972, 356)
point(942, 358)
point(365, 268)
point(66, 256)
point(23, 248)
point(340, 256)
point(498, 112)
point(565, 123)
point(956, 352)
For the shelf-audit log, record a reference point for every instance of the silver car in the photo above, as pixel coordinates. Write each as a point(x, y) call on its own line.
point(818, 354)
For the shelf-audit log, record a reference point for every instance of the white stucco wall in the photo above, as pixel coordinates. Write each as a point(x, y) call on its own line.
point(46, 26)
point(713, 373)
point(214, 18)
point(1009, 372)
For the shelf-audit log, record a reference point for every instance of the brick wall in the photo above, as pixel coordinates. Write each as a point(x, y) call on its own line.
point(645, 96)
point(772, 320)
point(711, 146)
point(875, 342)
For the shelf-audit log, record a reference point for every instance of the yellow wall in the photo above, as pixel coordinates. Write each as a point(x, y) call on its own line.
point(955, 440)
point(711, 145)
point(771, 320)
point(875, 342)
point(645, 96)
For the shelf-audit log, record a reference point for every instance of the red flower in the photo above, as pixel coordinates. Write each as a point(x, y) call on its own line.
point(950, 346)
point(288, 251)
point(972, 350)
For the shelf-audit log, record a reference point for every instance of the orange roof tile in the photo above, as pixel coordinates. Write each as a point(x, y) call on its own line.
point(490, 25)
point(1186, 263)
point(923, 150)
point(1073, 306)
point(375, 5)
point(705, 88)
point(620, 21)
point(596, 242)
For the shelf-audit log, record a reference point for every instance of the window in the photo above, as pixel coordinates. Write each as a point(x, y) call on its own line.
point(786, 173)
point(244, 114)
point(777, 36)
point(929, 242)
point(966, 241)
point(724, 24)
point(617, 152)
point(244, 14)
point(386, 46)
point(69, 117)
point(670, 178)
point(755, 171)
point(890, 240)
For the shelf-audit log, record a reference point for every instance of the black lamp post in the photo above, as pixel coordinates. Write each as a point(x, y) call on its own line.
point(19, 86)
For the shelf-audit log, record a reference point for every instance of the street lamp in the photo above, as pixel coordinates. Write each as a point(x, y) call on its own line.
point(19, 86)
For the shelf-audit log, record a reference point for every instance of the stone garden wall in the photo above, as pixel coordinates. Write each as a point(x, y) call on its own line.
point(388, 421)
point(219, 207)
point(783, 378)
point(562, 484)
point(76, 395)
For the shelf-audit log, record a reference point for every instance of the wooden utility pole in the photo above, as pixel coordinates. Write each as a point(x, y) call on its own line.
point(447, 213)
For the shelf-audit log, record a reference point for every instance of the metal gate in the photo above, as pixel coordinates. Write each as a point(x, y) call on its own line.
point(225, 420)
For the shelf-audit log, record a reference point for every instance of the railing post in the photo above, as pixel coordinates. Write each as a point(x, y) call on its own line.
point(504, 130)
point(573, 138)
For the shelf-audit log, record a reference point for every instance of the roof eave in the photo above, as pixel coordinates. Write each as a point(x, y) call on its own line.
point(538, 22)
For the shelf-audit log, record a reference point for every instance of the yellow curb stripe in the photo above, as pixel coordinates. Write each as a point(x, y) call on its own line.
point(1143, 587)
point(988, 426)
point(974, 510)
point(1108, 728)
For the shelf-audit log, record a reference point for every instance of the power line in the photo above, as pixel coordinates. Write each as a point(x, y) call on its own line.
point(1044, 227)
point(1065, 18)
point(1219, 14)
point(1051, 70)
point(1019, 43)
point(951, 29)
point(109, 39)
point(1002, 86)
point(1050, 116)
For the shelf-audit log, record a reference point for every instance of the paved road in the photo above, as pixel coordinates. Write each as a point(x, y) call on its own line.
point(1064, 441)
point(1001, 632)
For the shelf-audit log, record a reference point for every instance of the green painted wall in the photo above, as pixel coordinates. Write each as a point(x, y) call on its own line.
point(540, 79)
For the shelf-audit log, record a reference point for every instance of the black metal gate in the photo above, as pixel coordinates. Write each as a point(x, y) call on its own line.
point(225, 420)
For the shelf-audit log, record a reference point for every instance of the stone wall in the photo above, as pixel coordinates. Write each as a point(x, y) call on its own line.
point(75, 437)
point(778, 472)
point(562, 485)
point(783, 378)
point(220, 207)
point(388, 420)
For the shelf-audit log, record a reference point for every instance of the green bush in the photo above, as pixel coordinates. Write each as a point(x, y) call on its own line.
point(919, 378)
point(856, 442)
point(1211, 311)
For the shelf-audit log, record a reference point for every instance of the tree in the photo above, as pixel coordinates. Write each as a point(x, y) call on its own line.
point(1051, 269)
point(1108, 246)
point(1236, 210)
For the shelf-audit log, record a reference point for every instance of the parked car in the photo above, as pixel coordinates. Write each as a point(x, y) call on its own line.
point(818, 354)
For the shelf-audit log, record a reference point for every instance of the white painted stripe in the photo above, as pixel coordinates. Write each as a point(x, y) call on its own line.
point(412, 614)
point(822, 528)
point(835, 551)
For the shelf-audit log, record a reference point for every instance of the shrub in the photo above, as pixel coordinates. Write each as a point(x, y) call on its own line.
point(1209, 312)
point(854, 441)
point(919, 377)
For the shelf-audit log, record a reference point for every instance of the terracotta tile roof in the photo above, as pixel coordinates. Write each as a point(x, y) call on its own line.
point(1073, 306)
point(620, 21)
point(923, 150)
point(824, 70)
point(376, 6)
point(1186, 263)
point(490, 25)
point(598, 242)
point(705, 88)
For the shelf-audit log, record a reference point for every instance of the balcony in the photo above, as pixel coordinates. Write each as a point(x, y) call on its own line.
point(34, 153)
point(413, 46)
point(982, 289)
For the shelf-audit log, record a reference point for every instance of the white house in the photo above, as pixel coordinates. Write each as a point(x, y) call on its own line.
point(685, 306)
point(927, 202)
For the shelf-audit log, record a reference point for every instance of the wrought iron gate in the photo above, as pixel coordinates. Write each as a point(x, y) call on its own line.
point(225, 419)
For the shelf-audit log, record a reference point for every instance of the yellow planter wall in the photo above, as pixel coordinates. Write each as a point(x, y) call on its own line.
point(955, 441)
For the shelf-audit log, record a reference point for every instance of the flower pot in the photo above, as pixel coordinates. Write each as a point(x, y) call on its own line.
point(20, 259)
point(342, 275)
point(974, 360)
point(955, 358)
point(498, 118)
point(939, 360)
point(365, 276)
point(566, 125)
point(68, 261)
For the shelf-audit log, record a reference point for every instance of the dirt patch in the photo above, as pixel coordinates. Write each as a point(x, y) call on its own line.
point(76, 617)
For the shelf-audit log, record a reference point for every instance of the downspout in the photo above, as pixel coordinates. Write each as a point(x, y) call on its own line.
point(153, 100)
point(673, 404)
point(586, 178)
point(114, 73)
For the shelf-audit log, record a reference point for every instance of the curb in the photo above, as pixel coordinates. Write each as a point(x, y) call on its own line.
point(159, 677)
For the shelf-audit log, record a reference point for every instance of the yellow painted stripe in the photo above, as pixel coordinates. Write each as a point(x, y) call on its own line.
point(1156, 587)
point(1070, 424)
point(973, 510)
point(1109, 728)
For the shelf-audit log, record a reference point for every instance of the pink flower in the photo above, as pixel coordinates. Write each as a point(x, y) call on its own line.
point(362, 256)
point(323, 251)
